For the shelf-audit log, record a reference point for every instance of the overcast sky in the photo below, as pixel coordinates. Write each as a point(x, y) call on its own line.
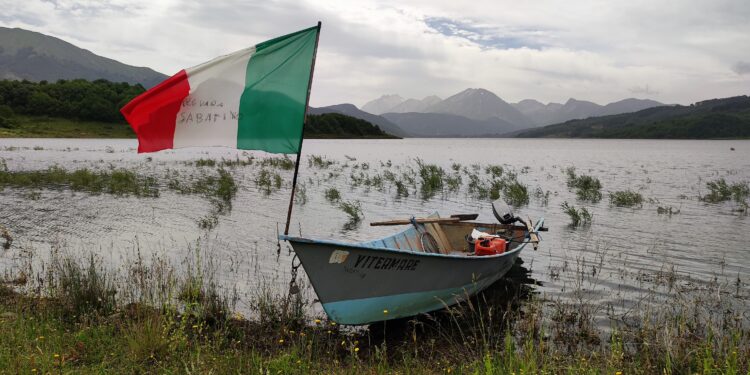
point(671, 51)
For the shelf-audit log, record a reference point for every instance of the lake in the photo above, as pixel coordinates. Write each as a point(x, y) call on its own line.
point(621, 256)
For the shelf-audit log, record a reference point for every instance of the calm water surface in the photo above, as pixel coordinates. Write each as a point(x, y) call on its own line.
point(626, 249)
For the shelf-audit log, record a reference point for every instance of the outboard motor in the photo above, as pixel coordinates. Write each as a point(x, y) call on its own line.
point(504, 213)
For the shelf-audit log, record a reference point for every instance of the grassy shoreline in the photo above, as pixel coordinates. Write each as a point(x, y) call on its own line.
point(79, 320)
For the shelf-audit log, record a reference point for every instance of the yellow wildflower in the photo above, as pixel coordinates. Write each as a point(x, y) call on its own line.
point(385, 311)
point(281, 341)
point(356, 350)
point(317, 321)
point(56, 355)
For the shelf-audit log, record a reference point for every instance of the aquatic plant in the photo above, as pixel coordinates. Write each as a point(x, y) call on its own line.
point(278, 163)
point(332, 195)
point(353, 209)
point(205, 163)
point(237, 162)
point(578, 216)
point(267, 181)
point(587, 188)
point(431, 177)
point(720, 191)
point(115, 182)
point(401, 190)
point(319, 162)
point(453, 182)
point(300, 194)
point(208, 222)
point(495, 171)
point(667, 210)
point(625, 198)
point(542, 196)
point(7, 238)
point(515, 193)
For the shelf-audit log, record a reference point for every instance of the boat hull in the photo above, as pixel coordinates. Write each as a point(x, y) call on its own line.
point(358, 284)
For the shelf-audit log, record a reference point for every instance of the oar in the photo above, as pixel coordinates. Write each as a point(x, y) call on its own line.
point(418, 220)
point(463, 217)
point(425, 220)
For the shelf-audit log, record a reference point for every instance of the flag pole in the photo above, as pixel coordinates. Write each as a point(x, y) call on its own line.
point(302, 135)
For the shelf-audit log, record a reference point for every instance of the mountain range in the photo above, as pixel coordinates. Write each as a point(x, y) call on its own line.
point(38, 57)
point(708, 119)
point(480, 111)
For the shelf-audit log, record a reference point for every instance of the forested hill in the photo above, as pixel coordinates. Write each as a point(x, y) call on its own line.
point(82, 109)
point(709, 119)
point(337, 125)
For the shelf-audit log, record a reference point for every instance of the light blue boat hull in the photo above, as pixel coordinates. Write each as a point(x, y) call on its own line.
point(361, 283)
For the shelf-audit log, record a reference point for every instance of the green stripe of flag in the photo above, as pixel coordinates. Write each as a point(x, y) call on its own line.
point(272, 106)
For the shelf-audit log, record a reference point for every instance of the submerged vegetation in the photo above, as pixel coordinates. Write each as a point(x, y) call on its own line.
point(626, 198)
point(115, 181)
point(721, 191)
point(578, 216)
point(587, 188)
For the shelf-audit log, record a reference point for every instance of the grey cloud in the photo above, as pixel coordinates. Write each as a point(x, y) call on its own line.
point(277, 18)
point(487, 36)
point(741, 67)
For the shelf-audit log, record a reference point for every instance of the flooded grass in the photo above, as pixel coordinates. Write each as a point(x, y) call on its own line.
point(587, 188)
point(117, 182)
point(267, 181)
point(667, 210)
point(319, 162)
point(516, 194)
point(626, 198)
point(283, 163)
point(353, 209)
point(332, 195)
point(578, 216)
point(721, 191)
point(431, 179)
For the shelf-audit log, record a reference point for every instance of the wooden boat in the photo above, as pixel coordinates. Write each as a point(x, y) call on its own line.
point(426, 267)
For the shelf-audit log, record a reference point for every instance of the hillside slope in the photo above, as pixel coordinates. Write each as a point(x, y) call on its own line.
point(38, 57)
point(709, 119)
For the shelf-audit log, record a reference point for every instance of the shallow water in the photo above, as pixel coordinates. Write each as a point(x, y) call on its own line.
point(618, 258)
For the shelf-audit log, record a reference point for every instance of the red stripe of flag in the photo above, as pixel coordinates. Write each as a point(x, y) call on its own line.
point(153, 114)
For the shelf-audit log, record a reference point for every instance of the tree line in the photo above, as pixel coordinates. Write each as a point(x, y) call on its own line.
point(77, 99)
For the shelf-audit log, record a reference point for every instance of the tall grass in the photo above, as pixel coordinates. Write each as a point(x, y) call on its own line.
point(116, 182)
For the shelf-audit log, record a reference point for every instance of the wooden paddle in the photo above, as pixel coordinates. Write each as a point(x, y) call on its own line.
point(421, 220)
point(425, 220)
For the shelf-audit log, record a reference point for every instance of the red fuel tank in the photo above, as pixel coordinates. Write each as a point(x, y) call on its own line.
point(490, 246)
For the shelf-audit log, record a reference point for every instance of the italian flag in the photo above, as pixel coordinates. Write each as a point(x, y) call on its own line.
point(253, 99)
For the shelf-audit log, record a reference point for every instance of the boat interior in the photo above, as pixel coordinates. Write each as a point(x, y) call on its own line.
point(450, 238)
